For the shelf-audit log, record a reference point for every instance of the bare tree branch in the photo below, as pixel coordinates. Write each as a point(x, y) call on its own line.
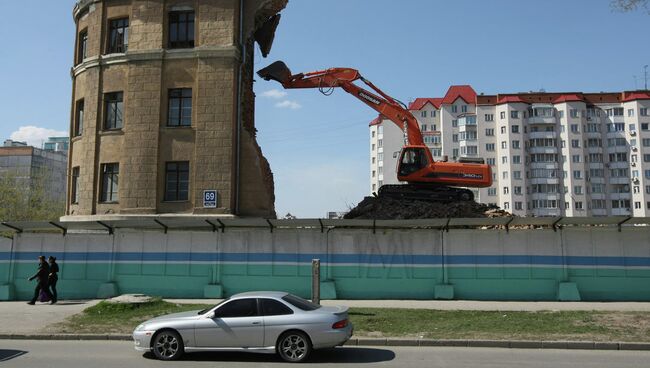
point(630, 5)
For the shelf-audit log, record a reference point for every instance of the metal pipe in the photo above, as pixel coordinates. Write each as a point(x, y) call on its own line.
point(315, 281)
point(242, 62)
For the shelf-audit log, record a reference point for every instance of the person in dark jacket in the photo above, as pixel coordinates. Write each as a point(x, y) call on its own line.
point(53, 278)
point(41, 275)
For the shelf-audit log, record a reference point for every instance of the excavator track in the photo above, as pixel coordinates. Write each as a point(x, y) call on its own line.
point(429, 193)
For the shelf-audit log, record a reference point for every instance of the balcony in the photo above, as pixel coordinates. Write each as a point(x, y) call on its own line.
point(542, 134)
point(544, 165)
point(550, 196)
point(599, 212)
point(467, 120)
point(617, 196)
point(594, 149)
point(618, 165)
point(545, 180)
point(546, 212)
point(619, 180)
point(621, 212)
point(541, 120)
point(533, 150)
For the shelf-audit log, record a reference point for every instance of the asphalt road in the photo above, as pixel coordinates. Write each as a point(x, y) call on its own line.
point(100, 354)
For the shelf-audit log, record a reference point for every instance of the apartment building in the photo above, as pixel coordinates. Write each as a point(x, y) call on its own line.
point(552, 154)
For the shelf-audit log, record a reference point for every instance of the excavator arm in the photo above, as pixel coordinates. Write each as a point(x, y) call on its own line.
point(344, 78)
point(427, 179)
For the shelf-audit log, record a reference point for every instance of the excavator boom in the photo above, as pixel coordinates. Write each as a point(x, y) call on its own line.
point(427, 179)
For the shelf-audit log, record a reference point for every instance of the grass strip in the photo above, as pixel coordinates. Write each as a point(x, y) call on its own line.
point(106, 317)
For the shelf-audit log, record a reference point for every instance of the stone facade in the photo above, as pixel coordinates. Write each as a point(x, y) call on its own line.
point(219, 146)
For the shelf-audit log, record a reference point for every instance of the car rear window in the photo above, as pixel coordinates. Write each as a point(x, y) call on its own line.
point(300, 303)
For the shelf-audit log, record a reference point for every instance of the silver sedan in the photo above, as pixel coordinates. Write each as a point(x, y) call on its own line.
point(263, 322)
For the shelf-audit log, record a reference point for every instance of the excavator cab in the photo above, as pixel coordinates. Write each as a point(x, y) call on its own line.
point(411, 160)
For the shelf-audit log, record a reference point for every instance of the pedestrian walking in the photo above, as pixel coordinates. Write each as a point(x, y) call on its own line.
point(53, 278)
point(41, 275)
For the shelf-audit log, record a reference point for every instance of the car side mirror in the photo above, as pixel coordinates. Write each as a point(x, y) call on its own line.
point(210, 315)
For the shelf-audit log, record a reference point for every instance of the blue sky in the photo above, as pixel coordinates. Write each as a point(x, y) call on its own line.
point(317, 145)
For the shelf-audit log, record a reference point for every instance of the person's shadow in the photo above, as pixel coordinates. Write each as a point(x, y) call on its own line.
point(8, 354)
point(347, 354)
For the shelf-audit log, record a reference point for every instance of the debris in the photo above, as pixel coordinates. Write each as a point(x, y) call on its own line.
point(386, 208)
point(131, 299)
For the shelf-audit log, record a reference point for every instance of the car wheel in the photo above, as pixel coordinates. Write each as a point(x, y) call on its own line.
point(167, 345)
point(294, 346)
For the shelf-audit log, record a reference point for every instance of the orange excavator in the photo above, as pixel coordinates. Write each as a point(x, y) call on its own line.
point(426, 179)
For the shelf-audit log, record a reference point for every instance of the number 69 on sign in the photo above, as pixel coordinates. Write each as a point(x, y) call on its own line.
point(209, 199)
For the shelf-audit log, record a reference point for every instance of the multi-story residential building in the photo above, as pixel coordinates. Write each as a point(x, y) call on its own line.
point(30, 166)
point(552, 154)
point(57, 144)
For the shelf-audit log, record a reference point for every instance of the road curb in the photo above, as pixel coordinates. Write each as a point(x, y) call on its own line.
point(368, 341)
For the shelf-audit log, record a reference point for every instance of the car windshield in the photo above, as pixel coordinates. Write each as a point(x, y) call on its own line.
point(204, 311)
point(300, 303)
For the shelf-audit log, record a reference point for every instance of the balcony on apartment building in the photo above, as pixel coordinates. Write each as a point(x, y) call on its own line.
point(541, 134)
point(466, 122)
point(541, 114)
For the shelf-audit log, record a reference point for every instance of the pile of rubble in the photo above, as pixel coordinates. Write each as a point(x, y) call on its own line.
point(393, 209)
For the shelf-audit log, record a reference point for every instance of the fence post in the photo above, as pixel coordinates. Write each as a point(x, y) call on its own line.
point(315, 281)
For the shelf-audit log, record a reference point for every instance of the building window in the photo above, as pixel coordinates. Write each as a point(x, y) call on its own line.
point(454, 137)
point(515, 128)
point(113, 110)
point(514, 114)
point(489, 132)
point(454, 108)
point(82, 46)
point(503, 130)
point(110, 182)
point(516, 159)
point(177, 181)
point(630, 112)
point(79, 118)
point(579, 206)
point(504, 159)
point(504, 144)
point(181, 29)
point(518, 206)
point(463, 108)
point(643, 112)
point(573, 113)
point(423, 114)
point(574, 128)
point(454, 152)
point(454, 123)
point(506, 205)
point(491, 160)
point(516, 175)
point(74, 195)
point(180, 107)
point(515, 145)
point(380, 156)
point(489, 117)
point(118, 35)
point(503, 115)
point(492, 192)
point(489, 146)
point(575, 143)
point(577, 174)
point(505, 190)
point(577, 189)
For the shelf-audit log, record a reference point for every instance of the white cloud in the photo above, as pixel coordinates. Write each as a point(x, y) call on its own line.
point(288, 104)
point(35, 136)
point(274, 93)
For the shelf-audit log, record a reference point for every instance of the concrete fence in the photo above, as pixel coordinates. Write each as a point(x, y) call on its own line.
point(572, 263)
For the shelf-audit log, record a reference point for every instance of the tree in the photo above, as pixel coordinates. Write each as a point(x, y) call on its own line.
point(630, 5)
point(28, 196)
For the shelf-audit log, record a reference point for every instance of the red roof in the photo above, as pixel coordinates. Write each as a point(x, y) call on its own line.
point(377, 120)
point(572, 97)
point(510, 99)
point(631, 96)
point(419, 103)
point(466, 92)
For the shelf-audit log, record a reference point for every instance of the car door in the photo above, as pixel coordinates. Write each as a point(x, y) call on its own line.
point(235, 324)
point(276, 318)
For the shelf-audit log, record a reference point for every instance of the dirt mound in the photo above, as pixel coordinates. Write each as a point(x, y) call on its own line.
point(393, 209)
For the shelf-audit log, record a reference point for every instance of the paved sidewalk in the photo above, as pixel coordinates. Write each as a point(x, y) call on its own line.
point(18, 318)
point(21, 318)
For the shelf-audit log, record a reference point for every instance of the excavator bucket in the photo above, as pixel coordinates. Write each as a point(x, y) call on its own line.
point(277, 71)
